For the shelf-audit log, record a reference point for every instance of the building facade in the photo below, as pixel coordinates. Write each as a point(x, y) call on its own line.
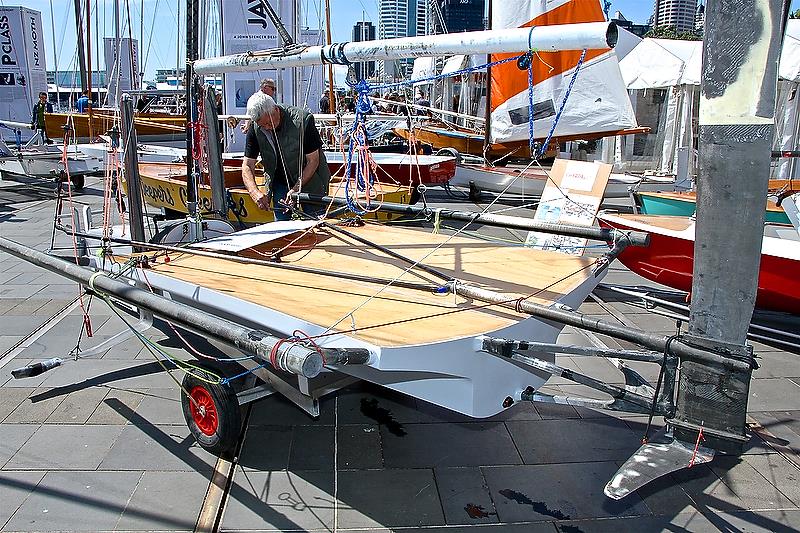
point(700, 19)
point(458, 15)
point(677, 14)
point(401, 18)
point(364, 31)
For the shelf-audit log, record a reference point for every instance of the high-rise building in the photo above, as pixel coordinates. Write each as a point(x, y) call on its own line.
point(677, 14)
point(700, 19)
point(402, 18)
point(364, 31)
point(637, 29)
point(458, 15)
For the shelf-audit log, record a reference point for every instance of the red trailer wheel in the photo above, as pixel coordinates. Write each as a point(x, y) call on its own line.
point(212, 412)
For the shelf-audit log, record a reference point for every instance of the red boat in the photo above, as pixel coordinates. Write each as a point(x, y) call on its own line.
point(670, 257)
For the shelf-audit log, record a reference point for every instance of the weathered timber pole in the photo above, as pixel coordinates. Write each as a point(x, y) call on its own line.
point(737, 104)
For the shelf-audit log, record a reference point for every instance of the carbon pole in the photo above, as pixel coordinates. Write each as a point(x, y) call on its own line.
point(192, 27)
point(290, 357)
point(81, 45)
point(633, 238)
point(215, 170)
point(131, 158)
point(736, 119)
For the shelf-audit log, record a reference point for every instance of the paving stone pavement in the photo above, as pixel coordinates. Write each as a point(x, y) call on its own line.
point(100, 444)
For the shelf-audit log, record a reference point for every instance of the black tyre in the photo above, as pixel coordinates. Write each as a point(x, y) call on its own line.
point(213, 414)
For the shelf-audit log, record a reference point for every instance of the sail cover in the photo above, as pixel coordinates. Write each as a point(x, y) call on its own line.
point(598, 101)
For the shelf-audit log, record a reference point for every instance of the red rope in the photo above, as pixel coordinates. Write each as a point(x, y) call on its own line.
point(696, 447)
point(65, 161)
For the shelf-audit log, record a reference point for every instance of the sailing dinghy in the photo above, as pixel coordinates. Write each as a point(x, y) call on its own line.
point(669, 259)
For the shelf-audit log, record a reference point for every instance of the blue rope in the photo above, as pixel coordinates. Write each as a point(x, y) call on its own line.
point(546, 143)
point(531, 142)
point(358, 137)
point(17, 134)
point(225, 381)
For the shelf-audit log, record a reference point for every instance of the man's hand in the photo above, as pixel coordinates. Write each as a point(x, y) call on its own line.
point(261, 199)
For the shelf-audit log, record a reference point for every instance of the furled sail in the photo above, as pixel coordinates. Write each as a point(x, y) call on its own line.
point(598, 102)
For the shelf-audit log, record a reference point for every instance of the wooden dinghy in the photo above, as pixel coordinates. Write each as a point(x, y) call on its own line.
point(164, 186)
point(684, 204)
point(102, 120)
point(669, 259)
point(424, 340)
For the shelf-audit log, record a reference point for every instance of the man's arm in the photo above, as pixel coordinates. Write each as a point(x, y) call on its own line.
point(312, 163)
point(249, 180)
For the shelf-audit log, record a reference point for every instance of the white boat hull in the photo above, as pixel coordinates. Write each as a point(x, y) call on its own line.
point(49, 164)
point(531, 182)
point(455, 374)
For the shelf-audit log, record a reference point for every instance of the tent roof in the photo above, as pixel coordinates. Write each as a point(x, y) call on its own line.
point(789, 68)
point(657, 63)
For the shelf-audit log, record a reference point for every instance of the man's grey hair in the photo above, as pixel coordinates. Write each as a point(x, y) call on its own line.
point(259, 104)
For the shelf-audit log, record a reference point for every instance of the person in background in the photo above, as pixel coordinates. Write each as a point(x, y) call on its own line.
point(325, 104)
point(290, 147)
point(268, 87)
point(423, 102)
point(37, 116)
point(84, 102)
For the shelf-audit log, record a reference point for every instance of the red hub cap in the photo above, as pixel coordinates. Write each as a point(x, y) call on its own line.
point(204, 412)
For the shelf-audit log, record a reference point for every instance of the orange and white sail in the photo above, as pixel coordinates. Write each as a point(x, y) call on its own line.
point(599, 100)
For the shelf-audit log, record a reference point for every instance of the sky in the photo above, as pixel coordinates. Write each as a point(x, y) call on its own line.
point(160, 25)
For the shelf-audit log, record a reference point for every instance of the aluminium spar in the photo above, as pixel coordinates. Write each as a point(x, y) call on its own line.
point(592, 35)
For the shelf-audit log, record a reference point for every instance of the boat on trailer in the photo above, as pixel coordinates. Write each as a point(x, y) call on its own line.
point(387, 290)
point(374, 347)
point(44, 161)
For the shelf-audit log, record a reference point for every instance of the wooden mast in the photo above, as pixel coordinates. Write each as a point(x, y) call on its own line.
point(81, 46)
point(89, 63)
point(487, 133)
point(331, 92)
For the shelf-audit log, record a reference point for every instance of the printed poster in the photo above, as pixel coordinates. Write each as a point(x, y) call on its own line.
point(572, 196)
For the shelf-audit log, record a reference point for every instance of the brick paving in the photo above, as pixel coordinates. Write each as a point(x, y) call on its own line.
point(100, 444)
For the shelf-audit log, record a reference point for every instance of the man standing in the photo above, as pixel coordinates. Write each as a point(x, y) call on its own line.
point(268, 87)
point(287, 140)
point(325, 104)
point(37, 116)
point(84, 103)
point(422, 102)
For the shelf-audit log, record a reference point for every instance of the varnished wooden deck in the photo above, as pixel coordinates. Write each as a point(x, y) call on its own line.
point(393, 316)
